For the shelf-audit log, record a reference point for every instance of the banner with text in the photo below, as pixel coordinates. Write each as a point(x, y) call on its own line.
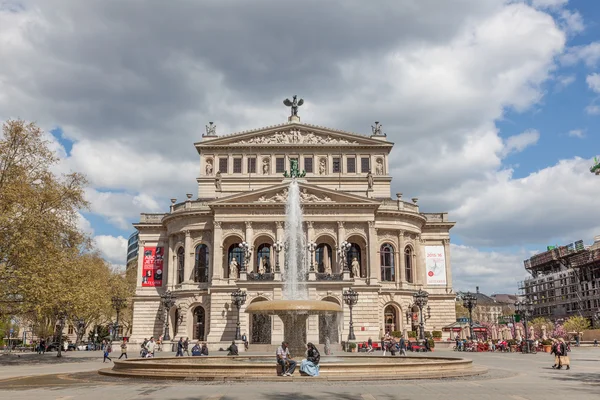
point(152, 267)
point(435, 265)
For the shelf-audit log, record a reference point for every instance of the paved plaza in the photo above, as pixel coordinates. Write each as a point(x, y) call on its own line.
point(511, 376)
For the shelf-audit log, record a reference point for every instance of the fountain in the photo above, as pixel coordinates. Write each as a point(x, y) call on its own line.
point(295, 309)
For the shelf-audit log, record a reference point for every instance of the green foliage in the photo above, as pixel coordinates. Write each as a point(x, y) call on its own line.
point(576, 324)
point(431, 343)
point(547, 342)
point(512, 342)
point(412, 334)
point(437, 334)
point(537, 324)
point(396, 334)
point(351, 345)
point(428, 334)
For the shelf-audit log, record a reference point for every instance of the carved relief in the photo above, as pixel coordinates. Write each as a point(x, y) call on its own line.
point(355, 229)
point(209, 166)
point(324, 228)
point(295, 136)
point(446, 241)
point(217, 224)
point(232, 228)
point(202, 236)
point(387, 236)
point(322, 166)
point(379, 166)
point(282, 197)
point(266, 166)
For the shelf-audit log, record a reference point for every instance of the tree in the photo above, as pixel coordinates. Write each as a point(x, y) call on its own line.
point(576, 324)
point(461, 311)
point(537, 324)
point(39, 238)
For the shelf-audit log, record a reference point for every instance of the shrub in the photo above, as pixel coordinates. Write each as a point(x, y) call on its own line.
point(431, 343)
point(512, 342)
point(427, 334)
point(396, 334)
point(412, 334)
point(547, 342)
point(437, 334)
point(351, 345)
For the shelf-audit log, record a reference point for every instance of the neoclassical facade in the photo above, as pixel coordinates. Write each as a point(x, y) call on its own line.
point(193, 250)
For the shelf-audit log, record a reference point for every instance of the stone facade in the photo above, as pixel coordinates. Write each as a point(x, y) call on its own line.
point(241, 198)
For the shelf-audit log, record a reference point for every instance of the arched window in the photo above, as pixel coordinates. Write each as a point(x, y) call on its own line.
point(353, 252)
point(323, 257)
point(388, 272)
point(201, 263)
point(199, 323)
point(180, 264)
point(263, 257)
point(237, 253)
point(390, 319)
point(408, 259)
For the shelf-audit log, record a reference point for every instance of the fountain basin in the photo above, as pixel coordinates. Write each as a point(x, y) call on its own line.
point(279, 307)
point(263, 368)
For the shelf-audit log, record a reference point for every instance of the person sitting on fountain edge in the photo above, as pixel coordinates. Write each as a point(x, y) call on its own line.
point(310, 365)
point(285, 360)
point(233, 350)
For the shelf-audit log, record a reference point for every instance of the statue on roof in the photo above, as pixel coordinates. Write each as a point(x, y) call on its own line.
point(295, 103)
point(596, 167)
point(211, 129)
point(294, 170)
point(377, 129)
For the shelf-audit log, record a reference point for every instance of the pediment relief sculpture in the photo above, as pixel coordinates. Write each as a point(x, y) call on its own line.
point(295, 136)
point(282, 197)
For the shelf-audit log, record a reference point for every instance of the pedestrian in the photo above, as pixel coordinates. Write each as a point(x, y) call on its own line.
point(123, 349)
point(150, 347)
point(186, 345)
point(107, 351)
point(179, 352)
point(245, 340)
point(402, 346)
point(563, 357)
point(370, 345)
point(233, 349)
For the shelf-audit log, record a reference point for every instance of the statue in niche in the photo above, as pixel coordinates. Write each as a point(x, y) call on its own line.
point(209, 167)
point(355, 268)
point(379, 167)
point(322, 167)
point(218, 181)
point(370, 180)
point(233, 269)
point(265, 166)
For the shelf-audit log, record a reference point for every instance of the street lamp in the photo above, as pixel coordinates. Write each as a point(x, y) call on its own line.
point(118, 304)
point(277, 247)
point(420, 299)
point(525, 309)
point(167, 301)
point(247, 250)
point(238, 298)
point(470, 302)
point(312, 246)
point(350, 298)
point(343, 254)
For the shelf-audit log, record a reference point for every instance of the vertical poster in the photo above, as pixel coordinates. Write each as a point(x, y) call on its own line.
point(435, 265)
point(152, 267)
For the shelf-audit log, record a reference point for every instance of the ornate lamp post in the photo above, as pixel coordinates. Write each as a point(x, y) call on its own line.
point(343, 254)
point(118, 304)
point(470, 302)
point(247, 251)
point(238, 298)
point(278, 246)
point(312, 246)
point(350, 298)
point(420, 299)
point(167, 301)
point(525, 309)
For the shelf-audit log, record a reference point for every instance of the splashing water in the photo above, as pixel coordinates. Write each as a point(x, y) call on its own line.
point(295, 243)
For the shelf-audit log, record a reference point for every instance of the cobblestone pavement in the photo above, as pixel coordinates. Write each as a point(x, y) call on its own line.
point(511, 376)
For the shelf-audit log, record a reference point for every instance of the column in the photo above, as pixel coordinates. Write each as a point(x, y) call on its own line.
point(401, 275)
point(419, 261)
point(374, 269)
point(217, 264)
point(140, 266)
point(189, 253)
point(170, 264)
point(448, 266)
point(341, 237)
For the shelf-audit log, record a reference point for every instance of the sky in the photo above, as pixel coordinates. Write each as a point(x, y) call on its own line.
point(493, 105)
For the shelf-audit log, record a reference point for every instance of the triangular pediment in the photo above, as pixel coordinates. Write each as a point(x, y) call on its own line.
point(293, 134)
point(309, 195)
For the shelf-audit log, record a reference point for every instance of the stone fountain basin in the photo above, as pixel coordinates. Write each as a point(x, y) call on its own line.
point(278, 307)
point(263, 368)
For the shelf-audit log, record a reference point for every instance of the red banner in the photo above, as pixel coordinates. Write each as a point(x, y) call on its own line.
point(152, 267)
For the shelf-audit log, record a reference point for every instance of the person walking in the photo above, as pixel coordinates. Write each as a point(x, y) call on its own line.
point(402, 346)
point(123, 349)
point(150, 347)
point(107, 351)
point(563, 358)
point(179, 352)
point(186, 346)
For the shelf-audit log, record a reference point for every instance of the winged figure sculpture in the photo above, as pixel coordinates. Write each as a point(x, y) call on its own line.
point(294, 104)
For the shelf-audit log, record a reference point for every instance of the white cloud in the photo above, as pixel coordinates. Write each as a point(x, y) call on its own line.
point(572, 21)
point(113, 249)
point(120, 208)
point(518, 143)
point(492, 271)
point(593, 110)
point(564, 80)
point(84, 225)
point(593, 81)
point(589, 54)
point(549, 3)
point(578, 133)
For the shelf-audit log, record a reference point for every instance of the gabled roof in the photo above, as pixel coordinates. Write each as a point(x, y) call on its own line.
point(293, 134)
point(310, 195)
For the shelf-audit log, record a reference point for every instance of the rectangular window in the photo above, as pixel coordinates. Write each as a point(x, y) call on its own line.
point(336, 165)
point(308, 164)
point(279, 165)
point(70, 331)
point(351, 165)
point(237, 165)
point(364, 165)
point(223, 167)
point(252, 165)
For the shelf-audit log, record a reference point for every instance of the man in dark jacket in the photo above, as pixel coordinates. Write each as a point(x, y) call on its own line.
point(233, 349)
point(179, 348)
